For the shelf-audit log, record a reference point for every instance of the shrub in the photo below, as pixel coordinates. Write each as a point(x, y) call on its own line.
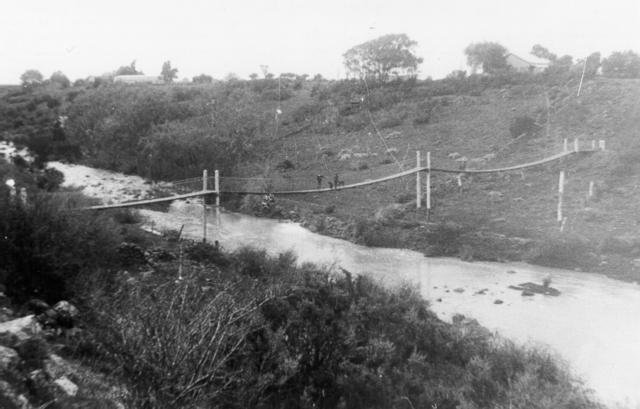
point(46, 247)
point(285, 165)
point(205, 253)
point(422, 119)
point(390, 122)
point(359, 165)
point(126, 216)
point(523, 125)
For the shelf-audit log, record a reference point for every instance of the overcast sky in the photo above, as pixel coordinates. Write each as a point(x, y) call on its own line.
point(216, 37)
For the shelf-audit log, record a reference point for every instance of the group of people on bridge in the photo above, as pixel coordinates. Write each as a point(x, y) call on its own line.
point(332, 185)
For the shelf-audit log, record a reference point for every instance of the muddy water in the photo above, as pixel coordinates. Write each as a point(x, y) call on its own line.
point(594, 325)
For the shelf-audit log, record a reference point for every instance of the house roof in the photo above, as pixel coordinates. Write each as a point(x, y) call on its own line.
point(531, 60)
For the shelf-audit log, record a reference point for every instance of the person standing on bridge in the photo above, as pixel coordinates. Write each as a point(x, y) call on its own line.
point(319, 180)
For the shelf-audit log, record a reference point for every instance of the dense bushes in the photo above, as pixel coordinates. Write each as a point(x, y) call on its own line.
point(43, 248)
point(261, 332)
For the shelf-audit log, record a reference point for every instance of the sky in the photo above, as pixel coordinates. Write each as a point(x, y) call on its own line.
point(217, 37)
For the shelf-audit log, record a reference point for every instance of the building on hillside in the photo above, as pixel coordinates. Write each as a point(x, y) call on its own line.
point(138, 79)
point(533, 64)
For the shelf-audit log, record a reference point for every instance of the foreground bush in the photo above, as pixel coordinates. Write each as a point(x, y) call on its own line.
point(260, 332)
point(43, 246)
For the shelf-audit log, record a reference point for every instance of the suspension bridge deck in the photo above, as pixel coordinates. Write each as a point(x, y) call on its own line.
point(342, 187)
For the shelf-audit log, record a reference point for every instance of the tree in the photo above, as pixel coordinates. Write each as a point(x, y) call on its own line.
point(378, 58)
point(491, 57)
point(253, 76)
point(129, 69)
point(168, 74)
point(592, 65)
point(622, 65)
point(58, 78)
point(542, 52)
point(203, 79)
point(31, 78)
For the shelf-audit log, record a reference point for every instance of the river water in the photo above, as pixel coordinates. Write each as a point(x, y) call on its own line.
point(594, 325)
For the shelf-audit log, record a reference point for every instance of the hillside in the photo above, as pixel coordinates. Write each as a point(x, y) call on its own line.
point(361, 131)
point(510, 215)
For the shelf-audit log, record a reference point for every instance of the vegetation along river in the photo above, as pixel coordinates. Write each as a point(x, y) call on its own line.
point(593, 324)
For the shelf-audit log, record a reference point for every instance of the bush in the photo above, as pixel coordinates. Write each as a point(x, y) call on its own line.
point(523, 125)
point(46, 247)
point(622, 65)
point(390, 122)
point(126, 216)
point(275, 335)
point(206, 253)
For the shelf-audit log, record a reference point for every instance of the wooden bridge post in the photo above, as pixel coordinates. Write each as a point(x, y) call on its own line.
point(428, 186)
point(560, 194)
point(576, 145)
point(418, 183)
point(566, 145)
point(216, 182)
point(205, 176)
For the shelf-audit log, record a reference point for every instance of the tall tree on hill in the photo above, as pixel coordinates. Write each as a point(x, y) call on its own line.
point(58, 78)
point(168, 74)
point(622, 65)
point(382, 57)
point(491, 57)
point(542, 52)
point(129, 69)
point(31, 78)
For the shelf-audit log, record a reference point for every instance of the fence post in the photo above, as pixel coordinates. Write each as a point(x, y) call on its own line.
point(428, 186)
point(216, 182)
point(205, 176)
point(591, 186)
point(560, 194)
point(566, 145)
point(418, 182)
point(576, 145)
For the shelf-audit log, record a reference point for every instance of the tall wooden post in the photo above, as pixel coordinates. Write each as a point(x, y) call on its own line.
point(418, 183)
point(560, 194)
point(576, 145)
point(566, 145)
point(216, 182)
point(591, 188)
point(205, 176)
point(428, 186)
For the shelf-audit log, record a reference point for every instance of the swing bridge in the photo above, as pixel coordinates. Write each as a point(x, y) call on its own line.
point(282, 185)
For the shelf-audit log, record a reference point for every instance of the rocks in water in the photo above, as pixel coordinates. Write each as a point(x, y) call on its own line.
point(439, 300)
point(512, 272)
point(481, 292)
point(533, 288)
point(498, 301)
point(459, 290)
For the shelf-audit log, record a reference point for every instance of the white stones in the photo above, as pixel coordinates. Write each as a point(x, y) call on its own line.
point(65, 386)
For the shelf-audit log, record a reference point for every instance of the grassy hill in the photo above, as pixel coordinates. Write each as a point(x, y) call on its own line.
point(510, 215)
point(362, 131)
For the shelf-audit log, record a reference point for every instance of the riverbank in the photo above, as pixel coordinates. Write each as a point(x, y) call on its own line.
point(397, 226)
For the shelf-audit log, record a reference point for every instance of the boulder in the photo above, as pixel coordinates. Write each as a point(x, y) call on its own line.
point(67, 313)
point(9, 359)
point(65, 387)
point(19, 330)
point(498, 301)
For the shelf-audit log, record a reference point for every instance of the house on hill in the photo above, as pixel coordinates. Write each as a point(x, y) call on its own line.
point(533, 64)
point(138, 79)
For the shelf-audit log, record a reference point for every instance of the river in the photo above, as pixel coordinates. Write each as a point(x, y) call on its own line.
point(593, 324)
